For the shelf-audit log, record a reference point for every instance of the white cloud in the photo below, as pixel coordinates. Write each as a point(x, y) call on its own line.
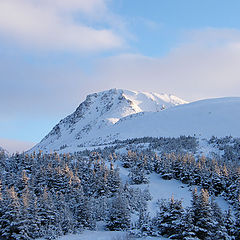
point(205, 65)
point(50, 24)
point(89, 6)
point(195, 70)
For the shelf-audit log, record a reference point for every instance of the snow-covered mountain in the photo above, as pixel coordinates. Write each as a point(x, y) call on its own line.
point(120, 114)
point(206, 118)
point(99, 112)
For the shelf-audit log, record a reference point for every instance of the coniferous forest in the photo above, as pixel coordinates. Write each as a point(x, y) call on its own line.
point(119, 120)
point(49, 195)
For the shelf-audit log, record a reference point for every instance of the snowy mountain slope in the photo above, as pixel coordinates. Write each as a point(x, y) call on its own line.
point(99, 112)
point(120, 114)
point(205, 118)
point(218, 117)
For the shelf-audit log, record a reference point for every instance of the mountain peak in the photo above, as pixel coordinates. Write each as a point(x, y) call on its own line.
point(102, 110)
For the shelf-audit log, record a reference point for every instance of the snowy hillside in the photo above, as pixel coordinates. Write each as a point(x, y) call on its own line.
point(206, 118)
point(98, 122)
point(99, 112)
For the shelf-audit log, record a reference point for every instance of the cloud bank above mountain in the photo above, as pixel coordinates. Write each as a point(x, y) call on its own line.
point(204, 65)
point(196, 69)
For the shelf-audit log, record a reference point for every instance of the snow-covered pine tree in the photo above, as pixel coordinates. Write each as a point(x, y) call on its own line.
point(129, 159)
point(48, 215)
point(228, 223)
point(113, 179)
point(119, 213)
point(11, 220)
point(237, 220)
point(201, 214)
point(221, 231)
point(144, 222)
point(168, 221)
point(137, 172)
point(102, 208)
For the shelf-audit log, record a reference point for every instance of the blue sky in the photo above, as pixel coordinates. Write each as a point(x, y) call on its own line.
point(160, 25)
point(53, 53)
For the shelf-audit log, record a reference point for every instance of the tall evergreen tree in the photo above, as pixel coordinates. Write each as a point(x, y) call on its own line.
point(119, 213)
point(202, 219)
point(169, 218)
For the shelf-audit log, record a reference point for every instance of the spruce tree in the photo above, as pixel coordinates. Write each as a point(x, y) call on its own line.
point(201, 215)
point(169, 218)
point(119, 213)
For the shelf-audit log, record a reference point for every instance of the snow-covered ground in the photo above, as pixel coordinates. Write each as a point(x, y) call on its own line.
point(95, 235)
point(203, 119)
point(159, 189)
point(165, 189)
point(103, 235)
